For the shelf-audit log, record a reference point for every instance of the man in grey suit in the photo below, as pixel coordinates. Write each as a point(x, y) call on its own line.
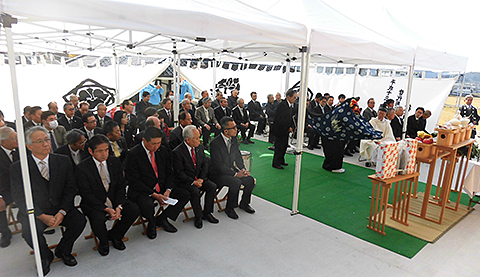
point(206, 117)
point(57, 133)
point(369, 112)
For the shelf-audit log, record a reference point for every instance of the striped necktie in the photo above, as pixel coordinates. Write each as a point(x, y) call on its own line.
point(44, 171)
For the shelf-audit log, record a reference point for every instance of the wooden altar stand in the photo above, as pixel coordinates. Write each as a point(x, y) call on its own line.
point(400, 204)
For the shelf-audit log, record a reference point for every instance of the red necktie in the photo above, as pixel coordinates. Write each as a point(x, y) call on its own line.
point(193, 157)
point(154, 165)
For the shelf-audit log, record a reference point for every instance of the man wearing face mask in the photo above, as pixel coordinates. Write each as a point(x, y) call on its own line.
point(57, 133)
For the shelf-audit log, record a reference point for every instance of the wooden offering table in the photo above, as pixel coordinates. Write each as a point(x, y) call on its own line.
point(448, 154)
point(400, 204)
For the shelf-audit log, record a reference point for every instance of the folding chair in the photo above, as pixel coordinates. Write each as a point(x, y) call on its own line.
point(12, 220)
point(142, 220)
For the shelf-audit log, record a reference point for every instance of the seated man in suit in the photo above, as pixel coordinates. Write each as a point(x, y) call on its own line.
point(8, 155)
point(186, 106)
point(256, 113)
point(206, 117)
point(152, 121)
point(242, 119)
point(52, 106)
point(118, 144)
point(203, 95)
point(271, 110)
point(101, 115)
point(83, 108)
point(233, 99)
point(90, 126)
point(216, 102)
point(176, 136)
point(222, 110)
point(166, 113)
point(150, 177)
point(369, 112)
point(56, 132)
point(228, 168)
point(101, 184)
point(75, 149)
point(127, 106)
point(415, 123)
point(191, 173)
point(70, 120)
point(53, 189)
point(36, 116)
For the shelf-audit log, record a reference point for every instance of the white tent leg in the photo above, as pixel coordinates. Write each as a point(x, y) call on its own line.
point(302, 109)
point(409, 93)
point(7, 21)
point(460, 93)
point(176, 78)
point(355, 80)
point(287, 77)
point(214, 75)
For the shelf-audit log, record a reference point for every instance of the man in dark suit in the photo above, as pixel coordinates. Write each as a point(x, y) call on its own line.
point(127, 106)
point(414, 123)
point(190, 167)
point(186, 106)
point(101, 115)
point(202, 96)
point(90, 126)
point(118, 145)
point(83, 108)
point(26, 115)
point(206, 118)
point(271, 110)
point(56, 132)
point(101, 184)
point(53, 190)
point(216, 102)
point(242, 119)
point(150, 177)
point(70, 120)
point(470, 112)
point(36, 116)
point(228, 169)
point(316, 108)
point(222, 110)
point(166, 113)
point(233, 99)
point(369, 112)
point(282, 126)
point(256, 113)
point(75, 147)
point(152, 121)
point(142, 105)
point(53, 107)
point(8, 155)
point(176, 136)
point(397, 123)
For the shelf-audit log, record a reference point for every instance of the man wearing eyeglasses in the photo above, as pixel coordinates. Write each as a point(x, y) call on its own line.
point(70, 120)
point(75, 147)
point(90, 126)
point(53, 191)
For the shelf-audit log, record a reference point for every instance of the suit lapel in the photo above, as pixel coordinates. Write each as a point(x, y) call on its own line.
point(93, 168)
point(36, 175)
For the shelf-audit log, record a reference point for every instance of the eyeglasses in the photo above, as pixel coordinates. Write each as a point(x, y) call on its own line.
point(91, 122)
point(234, 127)
point(71, 109)
point(81, 143)
point(42, 141)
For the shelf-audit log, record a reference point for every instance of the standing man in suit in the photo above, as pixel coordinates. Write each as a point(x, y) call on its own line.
point(222, 110)
point(127, 106)
point(469, 111)
point(70, 120)
point(282, 126)
point(75, 147)
point(101, 115)
point(57, 133)
point(53, 190)
point(90, 126)
point(101, 184)
point(369, 112)
point(191, 173)
point(118, 145)
point(176, 136)
point(167, 113)
point(229, 170)
point(242, 119)
point(206, 118)
point(271, 110)
point(256, 113)
point(142, 105)
point(397, 123)
point(414, 123)
point(36, 116)
point(8, 155)
point(150, 177)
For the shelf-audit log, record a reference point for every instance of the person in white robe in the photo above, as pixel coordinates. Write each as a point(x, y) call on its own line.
point(368, 148)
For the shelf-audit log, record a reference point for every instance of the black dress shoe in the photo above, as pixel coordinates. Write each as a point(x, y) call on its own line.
point(198, 223)
point(318, 147)
point(67, 259)
point(46, 266)
point(103, 249)
point(347, 153)
point(245, 141)
point(271, 148)
point(151, 231)
point(5, 241)
point(278, 166)
point(247, 208)
point(310, 147)
point(250, 141)
point(118, 244)
point(167, 226)
point(231, 213)
point(284, 164)
point(210, 218)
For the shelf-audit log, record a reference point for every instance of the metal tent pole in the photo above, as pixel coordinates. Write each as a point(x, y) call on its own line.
point(7, 21)
point(301, 126)
point(409, 93)
point(287, 76)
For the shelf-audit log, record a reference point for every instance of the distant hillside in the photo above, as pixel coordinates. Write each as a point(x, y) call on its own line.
point(472, 77)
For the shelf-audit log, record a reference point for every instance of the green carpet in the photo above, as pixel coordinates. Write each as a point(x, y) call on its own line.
point(338, 200)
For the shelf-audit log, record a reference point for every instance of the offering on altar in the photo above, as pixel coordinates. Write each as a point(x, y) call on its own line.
point(387, 160)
